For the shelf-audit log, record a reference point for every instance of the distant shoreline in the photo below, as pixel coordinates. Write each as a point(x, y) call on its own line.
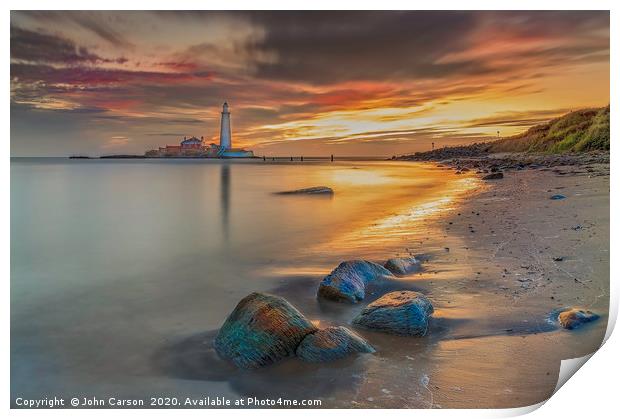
point(296, 158)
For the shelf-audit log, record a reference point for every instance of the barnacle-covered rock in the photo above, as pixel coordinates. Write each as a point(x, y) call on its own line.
point(261, 330)
point(399, 312)
point(348, 281)
point(402, 266)
point(575, 317)
point(332, 343)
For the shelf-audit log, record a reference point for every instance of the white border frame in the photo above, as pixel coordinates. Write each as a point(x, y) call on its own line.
point(592, 393)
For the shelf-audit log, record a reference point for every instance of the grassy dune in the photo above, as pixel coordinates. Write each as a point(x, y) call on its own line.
point(582, 130)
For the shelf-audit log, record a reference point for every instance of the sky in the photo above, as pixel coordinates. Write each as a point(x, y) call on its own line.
point(298, 83)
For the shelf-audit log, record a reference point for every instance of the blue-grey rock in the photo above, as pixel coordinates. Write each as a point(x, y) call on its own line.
point(315, 190)
point(493, 176)
point(261, 330)
point(348, 281)
point(400, 312)
point(330, 344)
point(402, 266)
point(575, 317)
point(557, 197)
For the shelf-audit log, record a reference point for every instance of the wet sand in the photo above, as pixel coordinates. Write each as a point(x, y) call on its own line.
point(527, 255)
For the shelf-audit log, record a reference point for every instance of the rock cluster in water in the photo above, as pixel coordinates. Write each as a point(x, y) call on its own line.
point(348, 281)
point(400, 312)
point(264, 329)
point(402, 266)
point(575, 317)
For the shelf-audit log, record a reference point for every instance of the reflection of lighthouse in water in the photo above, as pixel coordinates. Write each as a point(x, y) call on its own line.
point(225, 137)
point(225, 197)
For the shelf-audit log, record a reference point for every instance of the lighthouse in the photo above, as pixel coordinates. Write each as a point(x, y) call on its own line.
point(225, 137)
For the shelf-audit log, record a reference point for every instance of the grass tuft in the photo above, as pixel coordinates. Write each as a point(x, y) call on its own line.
point(583, 130)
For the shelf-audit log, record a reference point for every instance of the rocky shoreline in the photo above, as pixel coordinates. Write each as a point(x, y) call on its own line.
point(264, 329)
point(476, 157)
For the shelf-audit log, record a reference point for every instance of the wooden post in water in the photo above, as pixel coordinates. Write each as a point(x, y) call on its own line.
point(291, 158)
point(302, 158)
point(264, 158)
point(332, 157)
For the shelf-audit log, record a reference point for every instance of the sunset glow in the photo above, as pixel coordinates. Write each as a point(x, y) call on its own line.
point(303, 83)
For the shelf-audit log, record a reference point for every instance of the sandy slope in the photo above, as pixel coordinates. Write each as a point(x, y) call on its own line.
point(507, 243)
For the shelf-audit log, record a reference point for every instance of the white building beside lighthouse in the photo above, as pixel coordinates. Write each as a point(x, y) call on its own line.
point(226, 149)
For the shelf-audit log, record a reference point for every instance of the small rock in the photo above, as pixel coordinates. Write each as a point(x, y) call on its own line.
point(348, 281)
point(315, 190)
point(330, 344)
point(493, 176)
point(402, 266)
point(400, 312)
point(575, 317)
point(557, 197)
point(558, 259)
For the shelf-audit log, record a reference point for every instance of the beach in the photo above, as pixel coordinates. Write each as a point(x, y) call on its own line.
point(498, 266)
point(147, 297)
point(534, 255)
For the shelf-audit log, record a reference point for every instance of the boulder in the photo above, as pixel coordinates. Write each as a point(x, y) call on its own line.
point(348, 281)
point(402, 266)
point(315, 190)
point(493, 176)
point(575, 317)
point(261, 330)
point(330, 344)
point(400, 312)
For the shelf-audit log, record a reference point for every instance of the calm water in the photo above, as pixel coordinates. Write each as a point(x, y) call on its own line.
point(114, 260)
point(122, 272)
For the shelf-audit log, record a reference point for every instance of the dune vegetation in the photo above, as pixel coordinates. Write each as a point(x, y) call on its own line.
point(582, 130)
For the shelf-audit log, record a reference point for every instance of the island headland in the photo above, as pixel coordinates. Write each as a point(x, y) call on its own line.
point(192, 147)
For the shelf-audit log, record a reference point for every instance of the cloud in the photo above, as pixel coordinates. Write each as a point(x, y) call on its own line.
point(40, 47)
point(90, 21)
point(97, 23)
point(296, 77)
point(516, 119)
point(329, 47)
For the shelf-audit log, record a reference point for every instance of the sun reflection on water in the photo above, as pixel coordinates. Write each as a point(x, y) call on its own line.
point(356, 176)
point(409, 216)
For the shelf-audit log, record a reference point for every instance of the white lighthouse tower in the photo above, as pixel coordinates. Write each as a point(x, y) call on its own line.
point(225, 137)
